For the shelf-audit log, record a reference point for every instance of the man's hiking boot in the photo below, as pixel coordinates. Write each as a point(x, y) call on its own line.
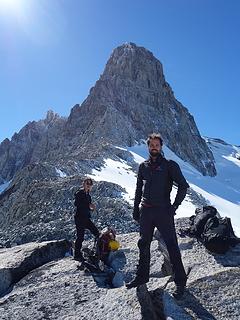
point(138, 281)
point(178, 292)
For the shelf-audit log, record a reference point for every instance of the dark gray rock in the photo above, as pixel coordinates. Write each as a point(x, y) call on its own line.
point(30, 145)
point(40, 206)
point(132, 99)
point(17, 262)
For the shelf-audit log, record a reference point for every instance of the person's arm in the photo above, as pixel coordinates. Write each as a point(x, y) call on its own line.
point(138, 194)
point(92, 206)
point(178, 178)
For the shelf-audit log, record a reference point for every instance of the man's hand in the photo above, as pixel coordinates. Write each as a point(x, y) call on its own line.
point(92, 206)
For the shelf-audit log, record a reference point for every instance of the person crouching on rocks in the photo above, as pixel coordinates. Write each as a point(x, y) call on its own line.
point(84, 206)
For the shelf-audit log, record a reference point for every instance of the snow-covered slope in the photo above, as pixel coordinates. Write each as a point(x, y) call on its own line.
point(222, 191)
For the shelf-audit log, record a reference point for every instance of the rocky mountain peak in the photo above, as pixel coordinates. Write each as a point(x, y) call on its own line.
point(136, 64)
point(131, 100)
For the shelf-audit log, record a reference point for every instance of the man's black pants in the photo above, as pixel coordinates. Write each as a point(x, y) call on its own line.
point(163, 219)
point(83, 223)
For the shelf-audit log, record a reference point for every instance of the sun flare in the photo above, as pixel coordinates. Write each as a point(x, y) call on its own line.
point(14, 7)
point(10, 3)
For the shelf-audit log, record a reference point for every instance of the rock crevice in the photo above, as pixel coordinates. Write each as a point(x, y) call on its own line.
point(17, 262)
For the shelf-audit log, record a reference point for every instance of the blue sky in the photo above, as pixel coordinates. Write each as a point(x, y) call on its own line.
point(52, 53)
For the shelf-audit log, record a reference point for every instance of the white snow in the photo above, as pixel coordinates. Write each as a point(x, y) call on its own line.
point(118, 172)
point(233, 159)
point(60, 173)
point(222, 191)
point(187, 208)
point(4, 186)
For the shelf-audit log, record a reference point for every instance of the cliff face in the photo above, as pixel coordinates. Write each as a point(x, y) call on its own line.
point(32, 144)
point(132, 99)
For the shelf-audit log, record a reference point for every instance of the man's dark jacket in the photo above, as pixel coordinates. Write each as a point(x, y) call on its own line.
point(154, 184)
point(82, 202)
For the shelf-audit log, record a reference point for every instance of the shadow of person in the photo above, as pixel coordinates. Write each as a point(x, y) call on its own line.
point(193, 307)
point(107, 274)
point(151, 303)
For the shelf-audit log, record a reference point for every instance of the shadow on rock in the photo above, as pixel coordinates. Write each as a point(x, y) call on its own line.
point(151, 303)
point(229, 259)
point(108, 274)
point(193, 307)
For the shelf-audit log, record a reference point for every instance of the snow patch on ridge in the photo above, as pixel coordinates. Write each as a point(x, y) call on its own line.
point(118, 172)
point(60, 173)
point(4, 186)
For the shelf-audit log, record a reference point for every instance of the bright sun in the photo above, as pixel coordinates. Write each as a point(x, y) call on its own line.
point(18, 10)
point(9, 3)
point(14, 6)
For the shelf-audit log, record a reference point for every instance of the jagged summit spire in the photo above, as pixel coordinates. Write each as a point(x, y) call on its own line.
point(132, 99)
point(136, 64)
point(129, 45)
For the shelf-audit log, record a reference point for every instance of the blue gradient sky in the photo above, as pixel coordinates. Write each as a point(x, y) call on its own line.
point(52, 52)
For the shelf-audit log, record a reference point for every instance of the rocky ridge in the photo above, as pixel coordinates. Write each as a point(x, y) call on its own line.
point(42, 209)
point(30, 145)
point(58, 290)
point(130, 100)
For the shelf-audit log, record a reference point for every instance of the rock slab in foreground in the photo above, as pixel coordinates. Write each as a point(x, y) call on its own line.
point(58, 290)
point(17, 262)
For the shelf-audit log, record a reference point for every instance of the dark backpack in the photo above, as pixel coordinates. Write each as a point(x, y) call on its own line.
point(218, 235)
point(214, 232)
point(200, 218)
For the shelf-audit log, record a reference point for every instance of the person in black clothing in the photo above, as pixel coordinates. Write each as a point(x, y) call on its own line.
point(154, 184)
point(84, 205)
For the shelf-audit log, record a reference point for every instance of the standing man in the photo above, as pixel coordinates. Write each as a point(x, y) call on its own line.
point(154, 184)
point(84, 205)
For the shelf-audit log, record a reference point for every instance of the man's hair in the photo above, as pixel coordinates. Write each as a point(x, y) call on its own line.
point(88, 181)
point(153, 136)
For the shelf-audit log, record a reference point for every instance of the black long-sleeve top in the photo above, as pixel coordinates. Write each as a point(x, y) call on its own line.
point(82, 202)
point(155, 180)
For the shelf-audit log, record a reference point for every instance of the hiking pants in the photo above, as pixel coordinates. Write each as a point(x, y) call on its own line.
point(163, 219)
point(83, 223)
